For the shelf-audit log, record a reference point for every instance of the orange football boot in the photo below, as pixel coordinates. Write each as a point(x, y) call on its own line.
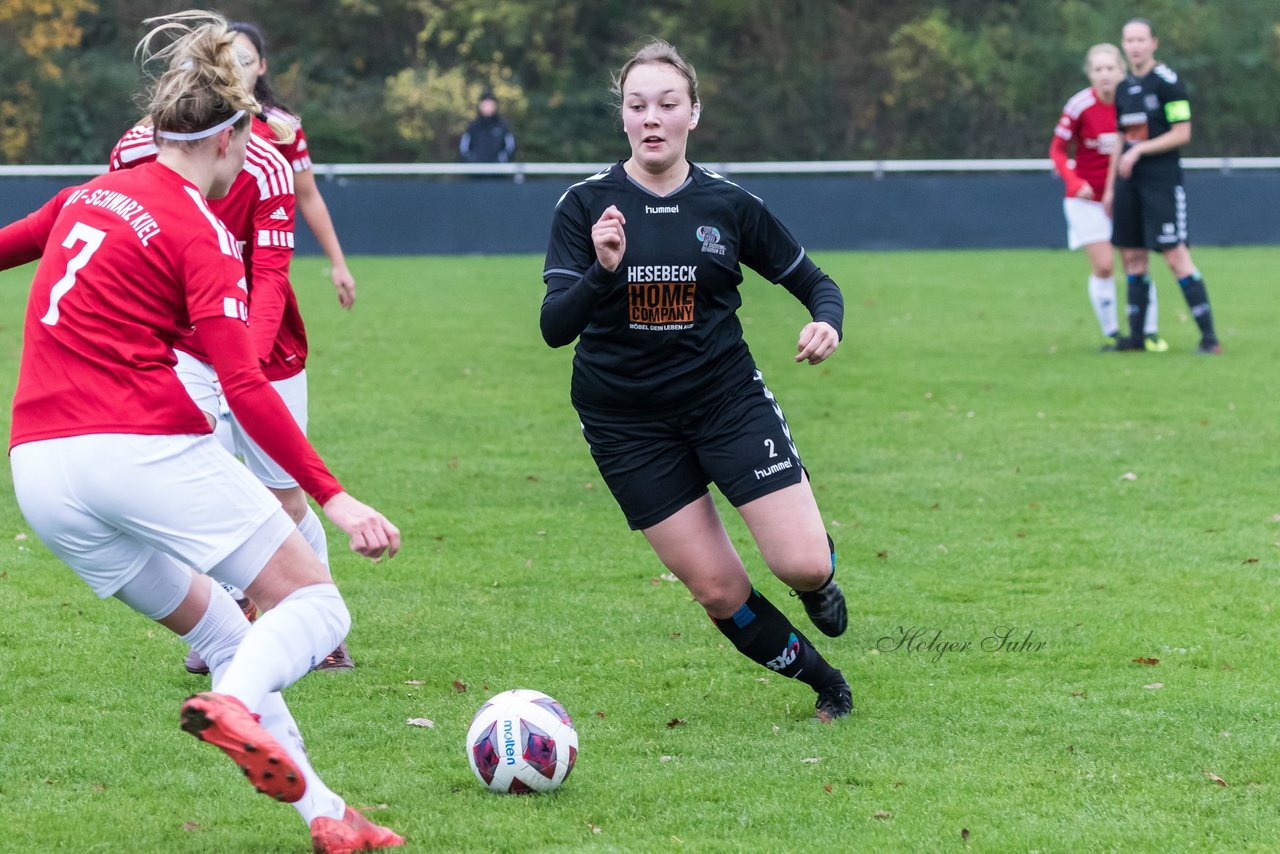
point(223, 721)
point(353, 833)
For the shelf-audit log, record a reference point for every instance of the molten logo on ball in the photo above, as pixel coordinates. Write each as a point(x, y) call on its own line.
point(522, 741)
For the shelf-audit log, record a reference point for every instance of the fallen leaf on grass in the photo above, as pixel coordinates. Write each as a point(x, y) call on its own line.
point(1154, 686)
point(882, 555)
point(827, 788)
point(460, 686)
point(423, 722)
point(1128, 476)
point(964, 834)
point(1249, 560)
point(414, 682)
point(20, 537)
point(667, 576)
point(600, 715)
point(665, 758)
point(812, 760)
point(1215, 778)
point(595, 828)
point(190, 826)
point(1146, 661)
point(674, 722)
point(882, 814)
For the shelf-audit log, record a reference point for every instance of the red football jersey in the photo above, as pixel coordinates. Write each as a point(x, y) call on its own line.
point(1087, 133)
point(131, 261)
point(296, 152)
point(259, 210)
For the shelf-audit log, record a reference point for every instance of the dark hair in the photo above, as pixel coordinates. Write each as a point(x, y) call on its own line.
point(1150, 27)
point(262, 89)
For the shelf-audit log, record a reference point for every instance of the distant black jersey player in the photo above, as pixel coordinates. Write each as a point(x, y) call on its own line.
point(1144, 185)
point(644, 269)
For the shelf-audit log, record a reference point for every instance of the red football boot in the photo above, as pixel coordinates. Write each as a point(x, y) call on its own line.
point(222, 720)
point(353, 833)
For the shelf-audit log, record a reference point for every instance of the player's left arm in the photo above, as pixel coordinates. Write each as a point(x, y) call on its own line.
point(771, 250)
point(316, 213)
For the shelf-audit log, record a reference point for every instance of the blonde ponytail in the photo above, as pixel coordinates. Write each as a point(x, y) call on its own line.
point(201, 87)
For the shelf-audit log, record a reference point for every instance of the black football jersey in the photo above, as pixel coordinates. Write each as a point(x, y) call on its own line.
point(1146, 107)
point(661, 333)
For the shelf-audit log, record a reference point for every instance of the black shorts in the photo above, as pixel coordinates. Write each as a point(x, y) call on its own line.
point(656, 465)
point(1149, 214)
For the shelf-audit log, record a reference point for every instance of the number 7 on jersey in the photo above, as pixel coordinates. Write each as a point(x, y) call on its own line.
point(91, 238)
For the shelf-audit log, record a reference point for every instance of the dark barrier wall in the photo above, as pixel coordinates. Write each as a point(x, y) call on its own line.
point(391, 216)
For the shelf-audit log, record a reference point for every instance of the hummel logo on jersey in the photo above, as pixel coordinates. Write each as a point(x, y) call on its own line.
point(661, 209)
point(279, 213)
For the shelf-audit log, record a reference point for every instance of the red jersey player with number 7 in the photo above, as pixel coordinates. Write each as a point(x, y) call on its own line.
point(106, 443)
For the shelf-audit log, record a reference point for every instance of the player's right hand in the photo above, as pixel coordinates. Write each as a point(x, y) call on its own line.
point(370, 533)
point(609, 238)
point(1085, 192)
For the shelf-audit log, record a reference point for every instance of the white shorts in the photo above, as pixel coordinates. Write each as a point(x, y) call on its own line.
point(202, 384)
point(105, 503)
point(1087, 222)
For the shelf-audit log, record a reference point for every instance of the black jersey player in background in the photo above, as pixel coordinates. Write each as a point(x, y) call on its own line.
point(643, 270)
point(1144, 192)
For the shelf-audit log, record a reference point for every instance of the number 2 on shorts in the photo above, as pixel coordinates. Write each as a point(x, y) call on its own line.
point(91, 238)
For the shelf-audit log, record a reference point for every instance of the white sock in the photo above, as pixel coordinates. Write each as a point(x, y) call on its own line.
point(285, 643)
point(313, 532)
point(317, 799)
point(1102, 293)
point(220, 631)
point(236, 593)
point(1152, 324)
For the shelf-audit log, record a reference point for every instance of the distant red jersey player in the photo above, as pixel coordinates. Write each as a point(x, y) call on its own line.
point(251, 45)
point(1081, 150)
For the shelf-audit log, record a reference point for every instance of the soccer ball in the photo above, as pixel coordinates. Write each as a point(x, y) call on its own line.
point(522, 741)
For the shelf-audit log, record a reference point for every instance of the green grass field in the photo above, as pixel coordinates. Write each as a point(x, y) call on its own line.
point(980, 466)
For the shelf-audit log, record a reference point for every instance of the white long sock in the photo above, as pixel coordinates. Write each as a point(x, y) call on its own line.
point(286, 642)
point(217, 636)
point(1102, 293)
point(318, 799)
point(313, 532)
point(1152, 324)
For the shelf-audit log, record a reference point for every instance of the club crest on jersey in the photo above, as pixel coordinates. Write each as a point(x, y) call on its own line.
point(710, 237)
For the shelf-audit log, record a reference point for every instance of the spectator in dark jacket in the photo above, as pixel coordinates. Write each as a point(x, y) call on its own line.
point(488, 138)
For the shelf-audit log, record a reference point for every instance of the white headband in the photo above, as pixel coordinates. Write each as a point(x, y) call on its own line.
point(200, 134)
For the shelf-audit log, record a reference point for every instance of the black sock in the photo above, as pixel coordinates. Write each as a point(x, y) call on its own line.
point(1139, 297)
point(1197, 297)
point(760, 632)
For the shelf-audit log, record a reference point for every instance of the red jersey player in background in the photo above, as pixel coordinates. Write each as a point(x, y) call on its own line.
point(251, 48)
point(1081, 151)
point(106, 442)
point(259, 211)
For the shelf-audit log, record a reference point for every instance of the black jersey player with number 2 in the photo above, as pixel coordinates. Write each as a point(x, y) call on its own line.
point(643, 269)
